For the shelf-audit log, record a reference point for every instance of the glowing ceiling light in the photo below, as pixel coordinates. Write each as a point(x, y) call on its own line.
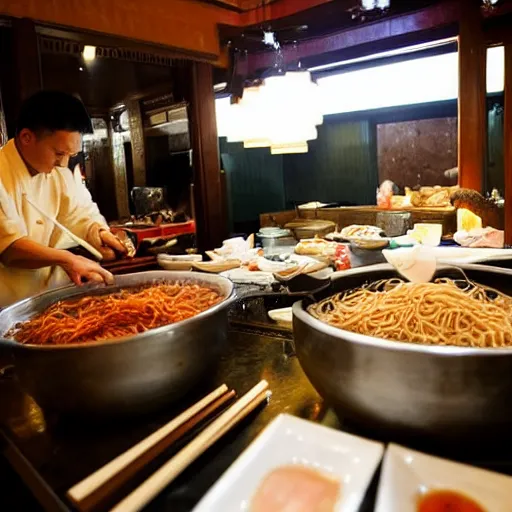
point(282, 114)
point(368, 5)
point(89, 53)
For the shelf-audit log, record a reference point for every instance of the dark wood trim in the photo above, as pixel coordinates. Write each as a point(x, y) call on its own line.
point(100, 39)
point(20, 72)
point(507, 138)
point(210, 218)
point(472, 100)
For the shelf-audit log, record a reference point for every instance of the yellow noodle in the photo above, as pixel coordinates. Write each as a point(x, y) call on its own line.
point(444, 312)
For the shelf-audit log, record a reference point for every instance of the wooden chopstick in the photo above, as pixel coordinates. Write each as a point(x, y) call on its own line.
point(86, 245)
point(100, 484)
point(143, 494)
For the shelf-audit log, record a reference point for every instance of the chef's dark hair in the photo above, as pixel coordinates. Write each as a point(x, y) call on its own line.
point(51, 111)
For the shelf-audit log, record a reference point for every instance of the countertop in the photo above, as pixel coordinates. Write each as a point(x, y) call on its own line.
point(52, 454)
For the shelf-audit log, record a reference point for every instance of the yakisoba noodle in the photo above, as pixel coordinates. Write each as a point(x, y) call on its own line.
point(444, 312)
point(124, 313)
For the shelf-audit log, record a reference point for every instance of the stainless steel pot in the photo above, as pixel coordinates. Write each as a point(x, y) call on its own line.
point(402, 387)
point(133, 374)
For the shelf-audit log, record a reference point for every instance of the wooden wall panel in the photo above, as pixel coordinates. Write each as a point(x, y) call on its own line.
point(508, 144)
point(472, 100)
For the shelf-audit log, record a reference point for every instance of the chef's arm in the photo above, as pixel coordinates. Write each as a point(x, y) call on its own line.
point(27, 254)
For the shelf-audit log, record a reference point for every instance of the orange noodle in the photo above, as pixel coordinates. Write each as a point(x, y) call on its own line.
point(445, 312)
point(124, 313)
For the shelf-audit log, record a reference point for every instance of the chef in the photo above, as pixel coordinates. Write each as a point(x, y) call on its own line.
point(33, 169)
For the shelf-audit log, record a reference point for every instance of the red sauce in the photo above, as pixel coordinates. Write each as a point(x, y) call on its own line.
point(448, 501)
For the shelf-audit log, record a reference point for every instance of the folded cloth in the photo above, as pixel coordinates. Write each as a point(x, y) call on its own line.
point(481, 237)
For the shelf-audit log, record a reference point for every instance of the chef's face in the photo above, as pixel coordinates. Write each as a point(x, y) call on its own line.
point(46, 150)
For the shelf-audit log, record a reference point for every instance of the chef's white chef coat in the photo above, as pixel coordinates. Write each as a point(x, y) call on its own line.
point(75, 182)
point(56, 194)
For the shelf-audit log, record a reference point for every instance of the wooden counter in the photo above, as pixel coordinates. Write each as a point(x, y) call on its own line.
point(347, 215)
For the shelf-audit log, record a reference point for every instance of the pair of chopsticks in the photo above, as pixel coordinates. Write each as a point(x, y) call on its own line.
point(101, 484)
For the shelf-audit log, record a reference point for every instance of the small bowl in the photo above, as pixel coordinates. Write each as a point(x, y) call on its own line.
point(370, 243)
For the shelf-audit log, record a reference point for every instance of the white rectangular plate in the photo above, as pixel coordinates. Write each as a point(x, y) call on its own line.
point(407, 473)
point(287, 441)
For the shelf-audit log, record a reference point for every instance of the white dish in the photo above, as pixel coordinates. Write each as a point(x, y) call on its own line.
point(282, 316)
point(406, 474)
point(292, 441)
point(179, 257)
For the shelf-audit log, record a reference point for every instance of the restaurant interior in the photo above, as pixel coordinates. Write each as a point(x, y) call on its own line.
point(315, 197)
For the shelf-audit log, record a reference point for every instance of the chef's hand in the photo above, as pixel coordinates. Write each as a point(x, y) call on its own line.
point(106, 242)
point(82, 270)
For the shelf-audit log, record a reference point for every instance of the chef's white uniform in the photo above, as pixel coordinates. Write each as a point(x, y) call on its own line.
point(56, 194)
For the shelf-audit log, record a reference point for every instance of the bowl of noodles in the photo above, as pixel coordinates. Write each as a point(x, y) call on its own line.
point(432, 358)
point(127, 348)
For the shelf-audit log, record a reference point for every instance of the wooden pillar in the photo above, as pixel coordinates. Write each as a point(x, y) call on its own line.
point(210, 218)
point(119, 168)
point(507, 139)
point(137, 142)
point(472, 99)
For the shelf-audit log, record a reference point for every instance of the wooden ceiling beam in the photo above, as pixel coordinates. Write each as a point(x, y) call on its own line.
point(431, 18)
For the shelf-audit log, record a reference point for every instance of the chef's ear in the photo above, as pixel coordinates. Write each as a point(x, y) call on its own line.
point(26, 136)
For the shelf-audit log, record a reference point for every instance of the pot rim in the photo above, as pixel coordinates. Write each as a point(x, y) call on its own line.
point(172, 275)
point(400, 346)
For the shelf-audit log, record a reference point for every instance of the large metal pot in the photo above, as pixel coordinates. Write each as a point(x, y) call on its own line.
point(386, 385)
point(133, 374)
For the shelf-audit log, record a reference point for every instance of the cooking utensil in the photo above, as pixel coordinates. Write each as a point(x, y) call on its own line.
point(440, 391)
point(143, 494)
point(128, 375)
point(276, 240)
point(148, 199)
point(86, 245)
point(93, 489)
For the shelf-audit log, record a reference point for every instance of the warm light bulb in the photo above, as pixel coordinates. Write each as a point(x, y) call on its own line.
point(368, 5)
point(89, 53)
